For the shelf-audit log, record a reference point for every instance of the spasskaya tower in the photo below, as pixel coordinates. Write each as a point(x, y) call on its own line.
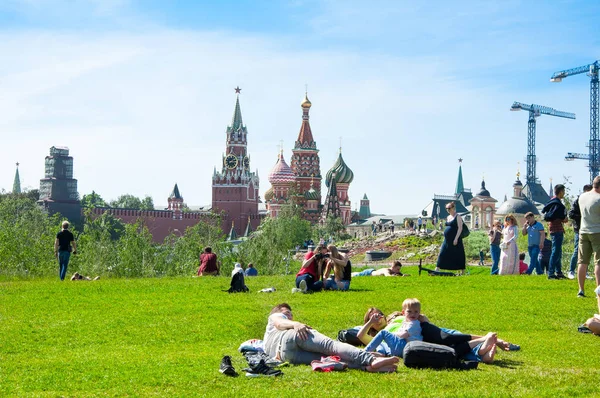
point(235, 188)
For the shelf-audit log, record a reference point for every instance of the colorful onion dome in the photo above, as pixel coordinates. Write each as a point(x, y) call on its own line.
point(281, 172)
point(343, 174)
point(269, 194)
point(306, 103)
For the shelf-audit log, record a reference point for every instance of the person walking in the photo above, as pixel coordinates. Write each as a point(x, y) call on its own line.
point(535, 242)
point(556, 215)
point(575, 216)
point(589, 236)
point(64, 244)
point(495, 235)
point(419, 223)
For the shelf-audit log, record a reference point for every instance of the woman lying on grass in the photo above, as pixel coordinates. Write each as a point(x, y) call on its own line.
point(468, 347)
point(297, 343)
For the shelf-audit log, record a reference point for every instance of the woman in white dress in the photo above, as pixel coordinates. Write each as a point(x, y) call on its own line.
point(509, 258)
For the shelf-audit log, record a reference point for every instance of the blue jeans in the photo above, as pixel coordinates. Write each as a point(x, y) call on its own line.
point(366, 272)
point(331, 284)
point(63, 262)
point(574, 256)
point(556, 254)
point(534, 264)
point(310, 283)
point(495, 253)
point(394, 344)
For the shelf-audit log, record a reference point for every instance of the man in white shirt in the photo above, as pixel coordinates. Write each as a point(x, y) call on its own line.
point(589, 235)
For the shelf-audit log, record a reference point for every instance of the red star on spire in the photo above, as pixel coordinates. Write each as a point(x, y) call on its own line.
point(237, 89)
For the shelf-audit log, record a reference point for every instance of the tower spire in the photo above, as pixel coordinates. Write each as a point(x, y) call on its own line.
point(236, 121)
point(459, 182)
point(17, 182)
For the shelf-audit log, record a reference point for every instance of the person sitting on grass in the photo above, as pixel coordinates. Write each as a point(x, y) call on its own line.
point(208, 263)
point(523, 266)
point(410, 330)
point(295, 342)
point(394, 270)
point(342, 270)
point(308, 279)
point(251, 271)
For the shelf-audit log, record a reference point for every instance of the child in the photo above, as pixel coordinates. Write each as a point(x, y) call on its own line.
point(481, 257)
point(522, 265)
point(410, 330)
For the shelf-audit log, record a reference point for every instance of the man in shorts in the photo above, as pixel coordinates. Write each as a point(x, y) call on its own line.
point(589, 235)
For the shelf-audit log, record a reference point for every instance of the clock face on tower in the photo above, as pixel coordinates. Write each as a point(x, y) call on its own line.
point(231, 161)
point(246, 162)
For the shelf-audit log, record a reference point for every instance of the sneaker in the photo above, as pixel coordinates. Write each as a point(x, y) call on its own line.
point(583, 329)
point(334, 362)
point(226, 367)
point(552, 277)
point(513, 347)
point(296, 290)
point(303, 286)
point(571, 275)
point(561, 276)
point(261, 369)
point(581, 294)
point(588, 276)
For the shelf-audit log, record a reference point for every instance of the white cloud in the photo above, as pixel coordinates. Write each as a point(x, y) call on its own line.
point(141, 111)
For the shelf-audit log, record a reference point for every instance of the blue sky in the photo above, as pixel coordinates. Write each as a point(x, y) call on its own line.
point(142, 91)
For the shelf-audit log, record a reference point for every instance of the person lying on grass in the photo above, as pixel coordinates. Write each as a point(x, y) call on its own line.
point(298, 343)
point(467, 346)
point(394, 270)
point(78, 277)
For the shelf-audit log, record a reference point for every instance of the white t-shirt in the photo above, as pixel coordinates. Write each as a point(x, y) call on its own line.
point(270, 343)
point(589, 205)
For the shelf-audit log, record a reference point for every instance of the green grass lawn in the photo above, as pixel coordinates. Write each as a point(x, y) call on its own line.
point(166, 337)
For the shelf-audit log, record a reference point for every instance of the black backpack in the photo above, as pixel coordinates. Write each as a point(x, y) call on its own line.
point(349, 336)
point(419, 354)
point(237, 283)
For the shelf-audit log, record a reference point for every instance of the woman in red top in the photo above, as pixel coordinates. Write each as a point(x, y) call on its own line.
point(208, 263)
point(309, 276)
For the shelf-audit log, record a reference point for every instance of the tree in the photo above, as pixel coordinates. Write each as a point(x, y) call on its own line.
point(26, 236)
point(332, 227)
point(93, 200)
point(128, 201)
point(147, 203)
point(269, 245)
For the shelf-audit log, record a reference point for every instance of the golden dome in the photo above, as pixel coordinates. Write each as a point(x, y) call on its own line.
point(305, 103)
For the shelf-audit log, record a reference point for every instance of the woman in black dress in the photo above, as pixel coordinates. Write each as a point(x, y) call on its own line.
point(452, 252)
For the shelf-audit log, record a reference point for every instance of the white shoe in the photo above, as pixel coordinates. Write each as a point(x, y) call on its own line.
point(296, 290)
point(588, 276)
point(571, 275)
point(303, 286)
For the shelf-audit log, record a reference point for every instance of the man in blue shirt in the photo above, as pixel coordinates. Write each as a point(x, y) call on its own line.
point(251, 271)
point(535, 241)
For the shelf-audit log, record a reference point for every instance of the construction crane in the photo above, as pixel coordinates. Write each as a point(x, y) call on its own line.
point(535, 111)
point(594, 145)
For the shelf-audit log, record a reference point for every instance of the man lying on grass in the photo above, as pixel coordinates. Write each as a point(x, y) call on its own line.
point(297, 343)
